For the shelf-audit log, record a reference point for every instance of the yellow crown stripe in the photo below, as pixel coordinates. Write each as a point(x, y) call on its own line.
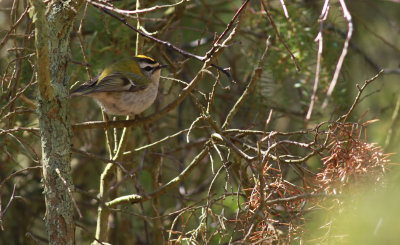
point(145, 57)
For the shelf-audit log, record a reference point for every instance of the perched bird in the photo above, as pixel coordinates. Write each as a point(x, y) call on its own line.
point(127, 87)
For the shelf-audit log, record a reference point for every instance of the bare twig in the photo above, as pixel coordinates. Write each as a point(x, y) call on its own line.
point(360, 90)
point(284, 9)
point(319, 39)
point(32, 82)
point(250, 86)
point(179, 50)
point(70, 193)
point(15, 25)
point(8, 204)
point(299, 197)
point(91, 234)
point(172, 183)
point(142, 33)
point(36, 239)
point(279, 36)
point(93, 156)
point(102, 4)
point(19, 129)
point(339, 64)
point(16, 173)
point(228, 27)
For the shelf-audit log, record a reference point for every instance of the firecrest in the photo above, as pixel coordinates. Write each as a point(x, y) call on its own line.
point(127, 87)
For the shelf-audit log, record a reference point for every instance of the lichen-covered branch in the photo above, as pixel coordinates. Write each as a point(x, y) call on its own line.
point(53, 25)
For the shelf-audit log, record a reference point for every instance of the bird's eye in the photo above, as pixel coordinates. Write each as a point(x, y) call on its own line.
point(148, 68)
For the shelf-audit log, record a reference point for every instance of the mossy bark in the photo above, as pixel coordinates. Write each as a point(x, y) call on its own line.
point(53, 25)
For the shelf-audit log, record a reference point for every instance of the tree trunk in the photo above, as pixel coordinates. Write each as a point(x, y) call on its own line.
point(52, 43)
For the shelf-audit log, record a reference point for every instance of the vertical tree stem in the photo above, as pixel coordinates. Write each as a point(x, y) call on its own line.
point(52, 42)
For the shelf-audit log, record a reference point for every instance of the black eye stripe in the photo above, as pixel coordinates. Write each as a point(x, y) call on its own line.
point(148, 68)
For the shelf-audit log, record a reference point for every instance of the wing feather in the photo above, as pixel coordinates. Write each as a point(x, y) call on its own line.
point(116, 82)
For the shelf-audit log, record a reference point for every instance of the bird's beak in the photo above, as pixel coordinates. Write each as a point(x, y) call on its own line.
point(161, 66)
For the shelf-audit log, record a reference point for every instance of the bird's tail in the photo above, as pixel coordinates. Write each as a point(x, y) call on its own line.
point(84, 89)
point(81, 90)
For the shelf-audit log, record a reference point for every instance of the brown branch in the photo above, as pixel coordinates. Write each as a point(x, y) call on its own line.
point(250, 86)
point(12, 130)
point(134, 198)
point(32, 82)
point(279, 36)
point(165, 43)
point(298, 197)
point(360, 90)
point(320, 40)
point(339, 64)
point(69, 193)
point(228, 27)
point(2, 212)
point(90, 234)
point(17, 172)
point(5, 38)
point(93, 156)
point(175, 48)
point(132, 12)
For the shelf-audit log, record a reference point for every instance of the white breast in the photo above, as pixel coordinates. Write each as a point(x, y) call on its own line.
point(127, 103)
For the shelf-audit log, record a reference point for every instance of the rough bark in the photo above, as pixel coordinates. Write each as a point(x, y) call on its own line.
point(53, 25)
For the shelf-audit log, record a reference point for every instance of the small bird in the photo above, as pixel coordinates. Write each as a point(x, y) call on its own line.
point(127, 87)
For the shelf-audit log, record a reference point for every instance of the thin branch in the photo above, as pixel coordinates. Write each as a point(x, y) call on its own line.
point(96, 157)
point(13, 130)
point(284, 9)
point(339, 64)
point(9, 203)
point(360, 90)
point(16, 173)
point(36, 239)
point(91, 234)
point(161, 140)
point(142, 33)
point(15, 25)
point(392, 71)
point(375, 33)
point(132, 12)
point(69, 192)
point(279, 36)
point(299, 197)
point(191, 127)
point(355, 47)
point(175, 48)
point(319, 39)
point(250, 86)
point(228, 27)
point(134, 198)
point(32, 82)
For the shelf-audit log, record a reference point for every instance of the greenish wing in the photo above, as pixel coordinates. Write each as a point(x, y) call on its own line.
point(120, 82)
